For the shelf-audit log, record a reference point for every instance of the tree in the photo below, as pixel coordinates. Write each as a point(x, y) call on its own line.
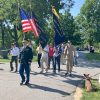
point(89, 21)
point(68, 26)
point(10, 22)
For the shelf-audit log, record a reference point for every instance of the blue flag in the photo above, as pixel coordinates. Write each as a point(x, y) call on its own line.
point(43, 38)
point(58, 36)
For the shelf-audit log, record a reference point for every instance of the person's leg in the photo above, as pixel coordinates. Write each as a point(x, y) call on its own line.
point(70, 66)
point(55, 60)
point(49, 60)
point(46, 62)
point(58, 62)
point(75, 61)
point(21, 72)
point(41, 63)
point(16, 63)
point(27, 71)
point(39, 57)
point(62, 59)
point(67, 67)
point(52, 61)
point(11, 63)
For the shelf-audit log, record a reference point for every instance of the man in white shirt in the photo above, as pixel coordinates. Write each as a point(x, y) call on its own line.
point(14, 56)
point(44, 58)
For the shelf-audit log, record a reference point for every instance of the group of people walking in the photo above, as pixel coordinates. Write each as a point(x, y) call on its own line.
point(48, 54)
point(56, 55)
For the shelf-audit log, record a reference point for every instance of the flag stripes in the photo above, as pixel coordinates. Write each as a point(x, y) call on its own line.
point(28, 23)
point(25, 21)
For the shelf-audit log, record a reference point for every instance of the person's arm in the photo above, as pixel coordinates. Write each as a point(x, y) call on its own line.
point(65, 50)
point(30, 55)
point(37, 48)
point(74, 51)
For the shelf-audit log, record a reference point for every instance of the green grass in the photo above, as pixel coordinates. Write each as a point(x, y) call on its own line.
point(93, 56)
point(94, 95)
point(4, 60)
point(34, 59)
point(8, 60)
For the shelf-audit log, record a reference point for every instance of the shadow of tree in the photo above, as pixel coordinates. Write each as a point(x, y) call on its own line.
point(44, 88)
point(72, 82)
point(1, 69)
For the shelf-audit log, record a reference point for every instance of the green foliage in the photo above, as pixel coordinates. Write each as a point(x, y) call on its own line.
point(89, 21)
point(10, 22)
point(93, 56)
point(68, 27)
point(94, 95)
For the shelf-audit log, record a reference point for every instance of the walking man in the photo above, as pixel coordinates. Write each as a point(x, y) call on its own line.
point(57, 57)
point(25, 60)
point(70, 53)
point(44, 58)
point(62, 54)
point(39, 54)
point(14, 56)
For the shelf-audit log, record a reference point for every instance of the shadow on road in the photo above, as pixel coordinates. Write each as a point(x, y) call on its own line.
point(1, 69)
point(44, 88)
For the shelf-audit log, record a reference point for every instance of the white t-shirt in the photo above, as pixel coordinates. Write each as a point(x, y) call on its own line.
point(45, 52)
point(15, 51)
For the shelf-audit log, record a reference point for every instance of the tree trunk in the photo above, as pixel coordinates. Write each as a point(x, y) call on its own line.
point(2, 32)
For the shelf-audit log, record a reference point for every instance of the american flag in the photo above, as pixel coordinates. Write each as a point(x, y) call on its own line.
point(28, 23)
point(34, 26)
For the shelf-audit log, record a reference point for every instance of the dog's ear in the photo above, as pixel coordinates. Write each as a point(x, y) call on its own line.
point(84, 75)
point(88, 74)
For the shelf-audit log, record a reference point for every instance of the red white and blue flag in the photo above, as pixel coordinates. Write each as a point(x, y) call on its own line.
point(28, 23)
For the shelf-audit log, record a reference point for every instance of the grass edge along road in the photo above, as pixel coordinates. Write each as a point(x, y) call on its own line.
point(93, 56)
point(8, 60)
point(94, 95)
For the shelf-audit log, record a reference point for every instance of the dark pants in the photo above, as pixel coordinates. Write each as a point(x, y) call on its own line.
point(57, 61)
point(14, 58)
point(26, 67)
point(49, 60)
point(39, 57)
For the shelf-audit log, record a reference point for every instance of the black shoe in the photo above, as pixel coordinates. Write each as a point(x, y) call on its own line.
point(70, 74)
point(21, 83)
point(15, 71)
point(26, 83)
point(11, 69)
point(66, 74)
point(58, 71)
point(54, 72)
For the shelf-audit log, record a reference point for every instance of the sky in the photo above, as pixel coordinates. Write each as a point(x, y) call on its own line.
point(77, 6)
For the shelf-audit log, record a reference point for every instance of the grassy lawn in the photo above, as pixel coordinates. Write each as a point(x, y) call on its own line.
point(94, 95)
point(8, 60)
point(93, 56)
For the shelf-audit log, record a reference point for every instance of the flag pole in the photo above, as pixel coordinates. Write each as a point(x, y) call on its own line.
point(19, 5)
point(30, 8)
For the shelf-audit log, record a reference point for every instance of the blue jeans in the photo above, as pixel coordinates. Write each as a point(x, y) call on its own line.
point(56, 61)
point(26, 67)
point(75, 60)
